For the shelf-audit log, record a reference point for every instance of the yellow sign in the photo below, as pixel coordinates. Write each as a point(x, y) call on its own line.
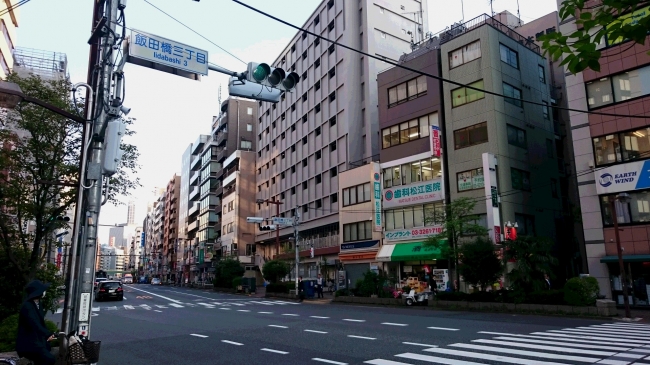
point(632, 18)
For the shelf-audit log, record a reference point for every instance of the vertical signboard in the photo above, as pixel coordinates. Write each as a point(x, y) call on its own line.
point(434, 138)
point(491, 191)
point(376, 196)
point(142, 240)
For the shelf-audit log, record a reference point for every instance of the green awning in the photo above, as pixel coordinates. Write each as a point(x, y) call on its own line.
point(414, 251)
point(626, 258)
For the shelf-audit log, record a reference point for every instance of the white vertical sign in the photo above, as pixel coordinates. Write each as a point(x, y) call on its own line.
point(84, 310)
point(375, 179)
point(491, 196)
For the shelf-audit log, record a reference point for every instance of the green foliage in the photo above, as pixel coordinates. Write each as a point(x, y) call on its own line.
point(596, 24)
point(533, 259)
point(275, 270)
point(227, 269)
point(342, 293)
point(480, 265)
point(546, 297)
point(371, 284)
point(452, 296)
point(236, 282)
point(45, 147)
point(9, 331)
point(282, 287)
point(581, 291)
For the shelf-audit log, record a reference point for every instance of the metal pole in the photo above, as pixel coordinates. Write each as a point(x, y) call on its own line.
point(277, 227)
point(619, 251)
point(296, 236)
point(94, 197)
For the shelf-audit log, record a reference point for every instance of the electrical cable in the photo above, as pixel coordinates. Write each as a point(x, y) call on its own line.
point(14, 7)
point(195, 32)
point(439, 78)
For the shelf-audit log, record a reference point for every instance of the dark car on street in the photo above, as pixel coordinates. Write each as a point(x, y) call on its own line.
point(110, 289)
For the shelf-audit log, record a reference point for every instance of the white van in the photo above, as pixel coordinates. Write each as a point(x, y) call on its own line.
point(127, 279)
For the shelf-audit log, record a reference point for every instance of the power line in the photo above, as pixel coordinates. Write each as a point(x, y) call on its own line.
point(14, 7)
point(195, 32)
point(439, 78)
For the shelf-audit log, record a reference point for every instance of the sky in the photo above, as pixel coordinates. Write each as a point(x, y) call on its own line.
point(171, 111)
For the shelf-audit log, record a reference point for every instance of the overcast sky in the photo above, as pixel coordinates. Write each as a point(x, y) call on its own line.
point(171, 111)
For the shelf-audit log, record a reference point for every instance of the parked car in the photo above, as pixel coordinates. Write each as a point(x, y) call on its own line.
point(99, 280)
point(156, 281)
point(109, 289)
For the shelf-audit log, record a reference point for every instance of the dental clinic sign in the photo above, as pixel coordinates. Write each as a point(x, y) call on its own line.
point(169, 53)
point(619, 178)
point(419, 193)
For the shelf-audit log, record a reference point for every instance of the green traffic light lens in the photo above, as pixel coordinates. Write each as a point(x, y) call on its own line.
point(261, 72)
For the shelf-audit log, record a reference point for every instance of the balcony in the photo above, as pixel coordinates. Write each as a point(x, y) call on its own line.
point(196, 163)
point(194, 193)
point(321, 242)
point(194, 177)
point(221, 138)
point(231, 176)
point(222, 154)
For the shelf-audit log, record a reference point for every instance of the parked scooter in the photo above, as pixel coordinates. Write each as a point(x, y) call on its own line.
point(413, 298)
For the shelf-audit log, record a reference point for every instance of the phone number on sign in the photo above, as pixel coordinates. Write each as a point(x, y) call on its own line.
point(427, 231)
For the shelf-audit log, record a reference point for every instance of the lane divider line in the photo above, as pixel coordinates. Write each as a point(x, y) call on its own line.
point(275, 351)
point(232, 343)
point(197, 335)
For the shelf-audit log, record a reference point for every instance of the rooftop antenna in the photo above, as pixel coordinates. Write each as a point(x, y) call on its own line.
point(518, 14)
point(491, 7)
point(462, 8)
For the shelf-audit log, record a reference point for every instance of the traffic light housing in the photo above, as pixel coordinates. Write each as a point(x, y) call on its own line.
point(270, 227)
point(263, 74)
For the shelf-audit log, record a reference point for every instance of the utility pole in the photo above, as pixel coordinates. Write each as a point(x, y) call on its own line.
point(296, 236)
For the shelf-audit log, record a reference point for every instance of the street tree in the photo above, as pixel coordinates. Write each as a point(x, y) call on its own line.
point(479, 263)
point(457, 221)
point(39, 150)
point(596, 24)
point(275, 270)
point(532, 258)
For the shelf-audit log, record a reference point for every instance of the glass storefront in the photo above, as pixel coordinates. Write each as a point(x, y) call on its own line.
point(638, 281)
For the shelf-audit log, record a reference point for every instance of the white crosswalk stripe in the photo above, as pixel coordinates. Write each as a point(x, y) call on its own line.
point(608, 344)
point(204, 304)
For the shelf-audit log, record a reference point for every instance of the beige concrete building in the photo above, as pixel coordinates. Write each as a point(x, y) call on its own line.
point(170, 226)
point(8, 23)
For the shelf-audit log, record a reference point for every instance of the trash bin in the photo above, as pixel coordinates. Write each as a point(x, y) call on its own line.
point(310, 288)
point(249, 283)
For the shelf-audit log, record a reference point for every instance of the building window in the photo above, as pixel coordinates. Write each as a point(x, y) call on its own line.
point(621, 87)
point(332, 72)
point(526, 224)
point(293, 169)
point(356, 194)
point(293, 127)
point(317, 109)
point(318, 179)
point(316, 42)
point(330, 26)
point(333, 146)
point(304, 35)
point(304, 140)
point(509, 56)
point(463, 95)
point(513, 93)
point(412, 217)
point(333, 171)
point(622, 147)
point(412, 172)
point(317, 86)
point(357, 231)
point(520, 179)
point(246, 145)
point(332, 96)
point(471, 136)
point(516, 136)
point(304, 163)
point(304, 118)
point(470, 180)
point(282, 175)
point(408, 131)
point(304, 76)
point(249, 127)
point(545, 112)
point(406, 91)
point(334, 198)
point(316, 20)
point(318, 155)
point(332, 121)
point(465, 54)
point(304, 185)
point(249, 111)
point(305, 208)
point(317, 63)
point(542, 74)
point(318, 203)
point(331, 49)
point(330, 4)
point(293, 190)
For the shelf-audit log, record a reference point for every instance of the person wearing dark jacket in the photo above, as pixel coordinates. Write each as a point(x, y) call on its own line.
point(33, 335)
point(301, 289)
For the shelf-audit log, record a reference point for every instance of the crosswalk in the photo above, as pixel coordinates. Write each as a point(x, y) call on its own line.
point(210, 304)
point(608, 343)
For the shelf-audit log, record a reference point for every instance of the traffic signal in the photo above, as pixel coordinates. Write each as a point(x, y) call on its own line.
point(263, 74)
point(270, 227)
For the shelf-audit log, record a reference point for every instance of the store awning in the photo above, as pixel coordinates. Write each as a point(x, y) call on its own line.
point(414, 251)
point(626, 258)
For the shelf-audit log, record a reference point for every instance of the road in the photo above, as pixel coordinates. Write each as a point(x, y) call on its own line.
point(171, 325)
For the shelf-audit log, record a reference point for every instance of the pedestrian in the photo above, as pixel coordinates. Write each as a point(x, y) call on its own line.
point(301, 290)
point(547, 282)
point(319, 286)
point(33, 337)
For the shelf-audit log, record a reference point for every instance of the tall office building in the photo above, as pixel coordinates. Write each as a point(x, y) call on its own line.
point(130, 214)
point(329, 122)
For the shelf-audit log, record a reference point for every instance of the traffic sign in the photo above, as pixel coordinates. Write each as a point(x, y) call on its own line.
point(283, 221)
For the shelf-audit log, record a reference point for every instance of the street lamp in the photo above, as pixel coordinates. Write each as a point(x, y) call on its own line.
point(11, 95)
point(277, 214)
point(622, 198)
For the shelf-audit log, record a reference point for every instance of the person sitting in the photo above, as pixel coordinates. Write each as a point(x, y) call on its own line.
point(32, 341)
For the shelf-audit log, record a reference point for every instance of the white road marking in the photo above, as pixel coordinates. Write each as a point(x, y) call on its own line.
point(95, 309)
point(275, 351)
point(483, 356)
point(113, 308)
point(554, 338)
point(418, 344)
point(161, 306)
point(144, 306)
point(590, 360)
point(277, 326)
point(319, 317)
point(314, 331)
point(362, 337)
point(159, 296)
point(614, 362)
point(645, 351)
point(354, 320)
point(631, 356)
point(289, 314)
point(59, 311)
point(94, 314)
point(237, 304)
point(583, 345)
point(395, 324)
point(129, 307)
point(206, 305)
point(612, 333)
point(547, 348)
point(443, 328)
point(226, 309)
point(612, 339)
point(329, 361)
point(385, 362)
point(195, 335)
point(156, 310)
point(442, 360)
point(243, 310)
point(232, 343)
point(176, 305)
point(265, 312)
point(616, 329)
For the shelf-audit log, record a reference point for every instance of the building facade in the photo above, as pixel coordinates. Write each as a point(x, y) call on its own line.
point(610, 156)
point(190, 249)
point(170, 235)
point(9, 23)
point(329, 122)
point(413, 177)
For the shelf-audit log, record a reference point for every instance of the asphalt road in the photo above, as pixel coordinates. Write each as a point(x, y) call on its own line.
point(168, 325)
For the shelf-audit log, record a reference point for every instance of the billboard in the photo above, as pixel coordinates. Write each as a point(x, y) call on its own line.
point(418, 193)
point(626, 177)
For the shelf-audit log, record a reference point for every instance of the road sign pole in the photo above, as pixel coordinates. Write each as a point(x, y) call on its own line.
point(296, 236)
